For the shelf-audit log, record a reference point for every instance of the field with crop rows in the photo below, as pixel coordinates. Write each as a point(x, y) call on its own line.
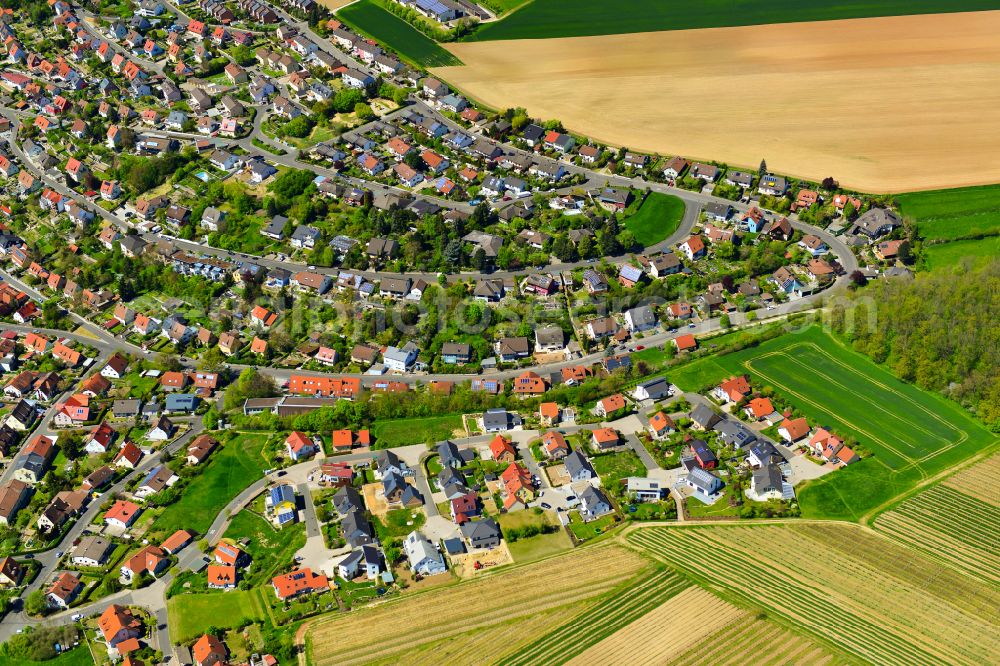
point(664, 632)
point(485, 602)
point(980, 481)
point(751, 640)
point(956, 521)
point(586, 629)
point(482, 646)
point(881, 603)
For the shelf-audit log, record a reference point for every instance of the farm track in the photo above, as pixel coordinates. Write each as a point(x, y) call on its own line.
point(880, 619)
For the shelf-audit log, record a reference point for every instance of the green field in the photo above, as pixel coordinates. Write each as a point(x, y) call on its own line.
point(400, 432)
point(79, 656)
point(190, 615)
point(269, 548)
point(393, 32)
point(233, 467)
point(543, 19)
point(946, 255)
point(537, 547)
point(913, 434)
point(657, 217)
point(951, 214)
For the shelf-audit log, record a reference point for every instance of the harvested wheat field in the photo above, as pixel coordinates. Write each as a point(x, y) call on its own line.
point(883, 105)
point(484, 604)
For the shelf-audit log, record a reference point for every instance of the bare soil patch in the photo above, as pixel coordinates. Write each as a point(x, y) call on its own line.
point(884, 104)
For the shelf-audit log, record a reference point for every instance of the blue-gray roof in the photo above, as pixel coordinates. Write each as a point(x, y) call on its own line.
point(181, 401)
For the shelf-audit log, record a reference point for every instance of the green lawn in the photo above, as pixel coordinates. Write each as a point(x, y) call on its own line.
point(573, 18)
point(400, 432)
point(190, 615)
point(657, 217)
point(269, 548)
point(79, 656)
point(619, 465)
point(946, 255)
point(912, 433)
point(399, 523)
point(370, 19)
point(584, 531)
point(537, 547)
point(956, 213)
point(236, 465)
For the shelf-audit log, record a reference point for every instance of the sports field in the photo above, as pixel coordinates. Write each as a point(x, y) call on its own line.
point(657, 217)
point(951, 214)
point(541, 19)
point(878, 601)
point(370, 19)
point(913, 434)
point(894, 94)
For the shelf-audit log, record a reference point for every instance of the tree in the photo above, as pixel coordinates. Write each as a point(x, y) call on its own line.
point(363, 112)
point(298, 127)
point(36, 604)
point(212, 360)
point(829, 184)
point(762, 169)
point(724, 321)
point(858, 278)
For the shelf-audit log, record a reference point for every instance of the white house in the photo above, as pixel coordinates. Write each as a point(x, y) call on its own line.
point(424, 558)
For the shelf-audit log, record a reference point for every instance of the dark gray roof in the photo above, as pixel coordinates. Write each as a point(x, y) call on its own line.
point(576, 462)
point(704, 416)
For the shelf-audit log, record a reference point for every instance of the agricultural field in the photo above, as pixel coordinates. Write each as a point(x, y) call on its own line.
point(752, 640)
point(234, 466)
point(543, 19)
point(890, 604)
point(368, 18)
point(572, 638)
point(666, 632)
point(657, 218)
point(950, 73)
point(913, 434)
point(955, 522)
point(949, 255)
point(482, 604)
point(951, 214)
point(401, 432)
point(979, 481)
